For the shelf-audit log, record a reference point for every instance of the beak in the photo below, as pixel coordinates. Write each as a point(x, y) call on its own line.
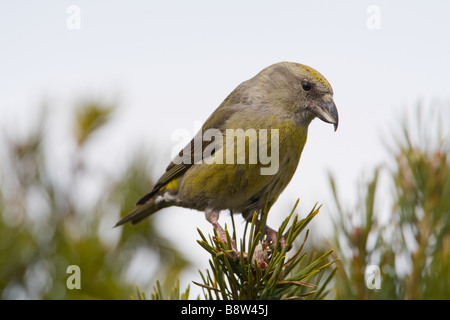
point(327, 112)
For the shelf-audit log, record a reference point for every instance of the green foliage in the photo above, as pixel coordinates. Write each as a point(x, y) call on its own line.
point(60, 212)
point(159, 293)
point(90, 117)
point(262, 270)
point(412, 247)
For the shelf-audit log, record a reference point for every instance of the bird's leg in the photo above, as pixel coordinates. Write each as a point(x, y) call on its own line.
point(212, 217)
point(272, 235)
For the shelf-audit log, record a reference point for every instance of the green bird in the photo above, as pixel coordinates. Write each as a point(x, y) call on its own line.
point(271, 113)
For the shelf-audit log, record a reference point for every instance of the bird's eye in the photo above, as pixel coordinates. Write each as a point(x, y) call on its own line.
point(306, 85)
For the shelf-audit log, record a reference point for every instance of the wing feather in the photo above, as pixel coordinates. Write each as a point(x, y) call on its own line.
point(176, 169)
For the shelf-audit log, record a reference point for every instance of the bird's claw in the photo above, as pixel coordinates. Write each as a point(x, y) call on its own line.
point(272, 236)
point(262, 251)
point(222, 235)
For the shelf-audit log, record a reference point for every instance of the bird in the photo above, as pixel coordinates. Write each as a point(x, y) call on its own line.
point(276, 106)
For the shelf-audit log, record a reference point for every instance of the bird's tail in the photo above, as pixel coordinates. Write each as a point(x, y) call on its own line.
point(141, 212)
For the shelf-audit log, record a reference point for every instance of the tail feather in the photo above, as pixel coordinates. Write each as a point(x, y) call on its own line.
point(139, 213)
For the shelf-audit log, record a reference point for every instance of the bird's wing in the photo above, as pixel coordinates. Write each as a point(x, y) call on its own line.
point(175, 169)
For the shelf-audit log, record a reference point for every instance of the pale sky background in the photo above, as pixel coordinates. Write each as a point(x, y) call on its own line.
point(170, 63)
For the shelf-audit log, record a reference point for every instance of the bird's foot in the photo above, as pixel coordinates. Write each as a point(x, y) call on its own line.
point(222, 235)
point(272, 236)
point(213, 216)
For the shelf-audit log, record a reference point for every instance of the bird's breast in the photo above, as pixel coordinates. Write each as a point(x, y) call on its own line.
point(269, 162)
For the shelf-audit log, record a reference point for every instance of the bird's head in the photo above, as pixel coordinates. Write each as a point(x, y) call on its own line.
point(303, 90)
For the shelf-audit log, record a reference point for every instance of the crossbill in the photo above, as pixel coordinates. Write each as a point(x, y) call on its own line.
point(271, 112)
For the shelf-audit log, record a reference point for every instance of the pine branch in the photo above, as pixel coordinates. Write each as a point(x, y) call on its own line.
point(262, 270)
